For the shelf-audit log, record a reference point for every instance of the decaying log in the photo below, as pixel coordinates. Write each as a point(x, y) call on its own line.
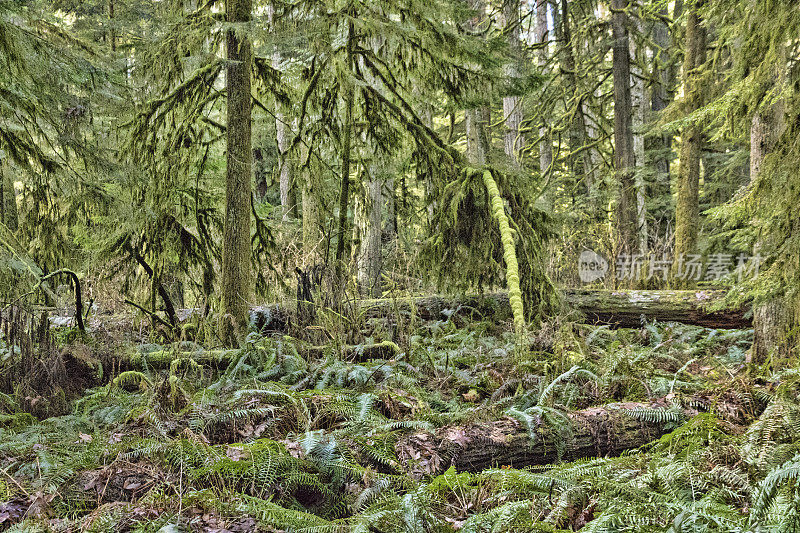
point(622, 308)
point(162, 359)
point(626, 308)
point(596, 432)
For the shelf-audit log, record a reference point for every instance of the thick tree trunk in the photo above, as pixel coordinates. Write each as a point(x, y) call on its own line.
point(628, 308)
point(624, 159)
point(477, 137)
point(112, 34)
point(774, 325)
point(616, 308)
point(596, 432)
point(512, 105)
point(687, 210)
point(774, 321)
point(236, 275)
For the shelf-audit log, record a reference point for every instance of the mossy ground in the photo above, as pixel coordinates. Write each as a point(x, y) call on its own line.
point(273, 441)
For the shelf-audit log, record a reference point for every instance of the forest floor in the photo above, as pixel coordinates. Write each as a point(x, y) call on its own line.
point(652, 429)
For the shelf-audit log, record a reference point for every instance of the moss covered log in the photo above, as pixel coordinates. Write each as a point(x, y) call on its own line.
point(623, 308)
point(163, 359)
point(626, 308)
point(596, 432)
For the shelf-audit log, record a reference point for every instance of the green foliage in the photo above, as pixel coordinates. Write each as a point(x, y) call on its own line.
point(467, 249)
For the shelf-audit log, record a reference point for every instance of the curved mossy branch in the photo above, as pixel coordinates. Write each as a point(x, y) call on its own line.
point(509, 252)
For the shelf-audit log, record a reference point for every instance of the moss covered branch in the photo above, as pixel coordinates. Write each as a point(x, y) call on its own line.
point(509, 252)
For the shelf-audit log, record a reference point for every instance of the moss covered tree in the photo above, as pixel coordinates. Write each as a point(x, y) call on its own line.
point(236, 270)
point(687, 209)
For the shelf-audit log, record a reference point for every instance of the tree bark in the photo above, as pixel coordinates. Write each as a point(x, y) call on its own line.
point(687, 210)
point(624, 159)
point(312, 234)
point(285, 163)
point(236, 274)
point(541, 37)
point(775, 320)
point(343, 241)
point(477, 120)
point(512, 105)
point(662, 91)
point(576, 161)
point(9, 214)
point(368, 227)
point(112, 34)
point(639, 119)
point(596, 432)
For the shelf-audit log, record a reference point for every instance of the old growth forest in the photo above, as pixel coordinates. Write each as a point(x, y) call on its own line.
point(399, 266)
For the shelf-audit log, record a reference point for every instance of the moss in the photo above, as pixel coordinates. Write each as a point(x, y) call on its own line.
point(509, 252)
point(132, 380)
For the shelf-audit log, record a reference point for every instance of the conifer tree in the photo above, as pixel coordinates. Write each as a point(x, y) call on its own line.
point(236, 276)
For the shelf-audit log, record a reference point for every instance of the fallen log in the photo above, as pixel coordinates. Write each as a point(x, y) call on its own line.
point(596, 432)
point(166, 358)
point(626, 308)
point(622, 308)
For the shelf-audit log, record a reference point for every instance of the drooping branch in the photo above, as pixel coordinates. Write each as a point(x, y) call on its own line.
point(509, 252)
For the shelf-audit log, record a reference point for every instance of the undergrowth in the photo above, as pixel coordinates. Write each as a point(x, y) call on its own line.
point(187, 438)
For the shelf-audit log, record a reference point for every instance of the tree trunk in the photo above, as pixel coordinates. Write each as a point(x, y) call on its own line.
point(477, 120)
point(639, 119)
point(542, 38)
point(8, 197)
point(662, 90)
point(512, 105)
point(687, 210)
point(112, 34)
point(236, 275)
point(624, 159)
point(285, 164)
point(576, 161)
point(477, 137)
point(343, 244)
point(368, 227)
point(774, 321)
point(426, 115)
point(596, 432)
point(312, 233)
